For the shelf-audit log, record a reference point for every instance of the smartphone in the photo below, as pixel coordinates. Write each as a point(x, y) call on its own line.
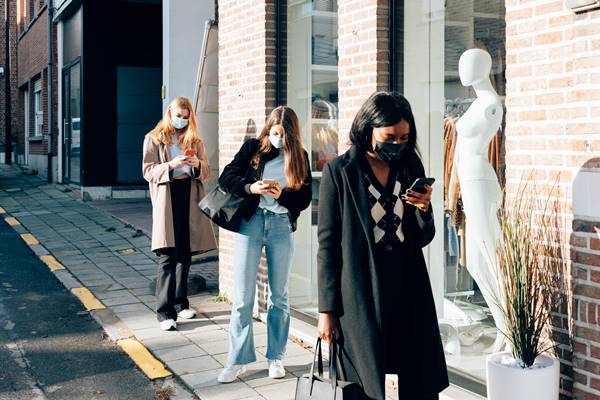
point(270, 182)
point(419, 184)
point(189, 153)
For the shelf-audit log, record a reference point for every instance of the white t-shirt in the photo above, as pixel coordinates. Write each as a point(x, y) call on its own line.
point(176, 151)
point(274, 169)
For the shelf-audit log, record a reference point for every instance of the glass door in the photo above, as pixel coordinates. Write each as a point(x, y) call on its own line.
point(72, 123)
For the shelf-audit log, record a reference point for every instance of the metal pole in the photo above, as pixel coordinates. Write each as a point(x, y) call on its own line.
point(50, 89)
point(7, 100)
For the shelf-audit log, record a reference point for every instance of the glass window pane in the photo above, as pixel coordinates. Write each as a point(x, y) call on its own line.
point(310, 86)
point(467, 325)
point(75, 119)
point(437, 34)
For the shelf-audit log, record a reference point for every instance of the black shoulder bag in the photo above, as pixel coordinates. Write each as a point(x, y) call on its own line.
point(223, 208)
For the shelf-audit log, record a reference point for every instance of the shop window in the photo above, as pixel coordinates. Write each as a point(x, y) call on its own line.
point(308, 40)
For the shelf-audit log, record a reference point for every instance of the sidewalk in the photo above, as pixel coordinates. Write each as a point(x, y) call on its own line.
point(113, 260)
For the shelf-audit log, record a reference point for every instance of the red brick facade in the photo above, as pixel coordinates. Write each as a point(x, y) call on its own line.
point(363, 57)
point(33, 59)
point(553, 125)
point(30, 63)
point(246, 97)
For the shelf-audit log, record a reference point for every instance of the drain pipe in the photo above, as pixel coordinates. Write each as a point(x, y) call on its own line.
point(50, 88)
point(7, 94)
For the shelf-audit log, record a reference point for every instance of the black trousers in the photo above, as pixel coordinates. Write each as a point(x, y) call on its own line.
point(174, 262)
point(397, 332)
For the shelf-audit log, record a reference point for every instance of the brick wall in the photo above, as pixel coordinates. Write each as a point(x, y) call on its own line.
point(13, 70)
point(33, 49)
point(363, 57)
point(246, 97)
point(553, 125)
point(33, 64)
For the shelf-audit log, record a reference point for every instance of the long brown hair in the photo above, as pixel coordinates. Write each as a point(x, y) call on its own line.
point(296, 169)
point(163, 131)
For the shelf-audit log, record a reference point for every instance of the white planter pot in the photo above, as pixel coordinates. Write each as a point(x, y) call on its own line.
point(509, 383)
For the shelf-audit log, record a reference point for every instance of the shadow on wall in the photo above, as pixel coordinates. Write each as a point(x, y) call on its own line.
point(584, 321)
point(250, 130)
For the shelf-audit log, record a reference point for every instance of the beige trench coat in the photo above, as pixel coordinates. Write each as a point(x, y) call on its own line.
point(156, 172)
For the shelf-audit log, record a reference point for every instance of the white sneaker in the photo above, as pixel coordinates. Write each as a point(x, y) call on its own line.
point(188, 313)
point(168, 325)
point(276, 370)
point(231, 373)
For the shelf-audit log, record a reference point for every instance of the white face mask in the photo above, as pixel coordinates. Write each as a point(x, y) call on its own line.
point(276, 141)
point(178, 122)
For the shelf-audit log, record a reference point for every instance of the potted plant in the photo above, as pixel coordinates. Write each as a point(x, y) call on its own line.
point(530, 263)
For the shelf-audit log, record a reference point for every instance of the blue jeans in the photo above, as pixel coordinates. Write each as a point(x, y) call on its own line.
point(274, 232)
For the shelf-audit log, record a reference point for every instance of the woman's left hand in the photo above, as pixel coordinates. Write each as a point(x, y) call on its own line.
point(193, 161)
point(419, 200)
point(276, 190)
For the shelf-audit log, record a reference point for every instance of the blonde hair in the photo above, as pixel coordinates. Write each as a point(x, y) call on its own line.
point(163, 131)
point(296, 169)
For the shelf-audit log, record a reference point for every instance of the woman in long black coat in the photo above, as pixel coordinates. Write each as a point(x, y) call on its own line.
point(375, 297)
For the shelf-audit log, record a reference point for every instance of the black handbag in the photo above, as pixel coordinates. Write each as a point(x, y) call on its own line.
point(316, 387)
point(223, 208)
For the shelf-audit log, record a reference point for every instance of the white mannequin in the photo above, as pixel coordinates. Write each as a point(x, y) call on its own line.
point(478, 182)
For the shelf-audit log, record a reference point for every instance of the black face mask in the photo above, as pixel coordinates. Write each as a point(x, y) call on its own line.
point(390, 152)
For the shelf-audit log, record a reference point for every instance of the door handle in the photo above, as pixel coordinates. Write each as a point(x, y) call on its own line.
point(65, 124)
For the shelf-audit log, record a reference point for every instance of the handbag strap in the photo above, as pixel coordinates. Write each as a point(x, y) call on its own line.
point(336, 370)
point(333, 370)
point(339, 366)
point(317, 359)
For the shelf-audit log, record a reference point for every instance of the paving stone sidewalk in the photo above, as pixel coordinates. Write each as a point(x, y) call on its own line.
point(113, 260)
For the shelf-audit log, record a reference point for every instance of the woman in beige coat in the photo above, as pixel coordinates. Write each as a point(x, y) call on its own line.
point(175, 165)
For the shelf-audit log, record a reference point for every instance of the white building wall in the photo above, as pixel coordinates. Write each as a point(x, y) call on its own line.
point(183, 30)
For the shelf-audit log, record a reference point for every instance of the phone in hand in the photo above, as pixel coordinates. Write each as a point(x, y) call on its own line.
point(419, 184)
point(270, 182)
point(189, 152)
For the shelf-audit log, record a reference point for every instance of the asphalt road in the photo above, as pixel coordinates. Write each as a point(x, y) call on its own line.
point(50, 347)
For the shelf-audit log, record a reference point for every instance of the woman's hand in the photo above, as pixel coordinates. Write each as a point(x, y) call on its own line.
point(329, 327)
point(259, 187)
point(178, 162)
point(193, 162)
point(419, 200)
point(276, 190)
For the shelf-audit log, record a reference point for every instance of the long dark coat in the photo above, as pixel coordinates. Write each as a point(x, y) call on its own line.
point(350, 286)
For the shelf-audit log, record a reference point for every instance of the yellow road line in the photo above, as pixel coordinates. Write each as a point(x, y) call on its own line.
point(90, 302)
point(29, 239)
point(12, 221)
point(153, 368)
point(51, 262)
point(2, 210)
